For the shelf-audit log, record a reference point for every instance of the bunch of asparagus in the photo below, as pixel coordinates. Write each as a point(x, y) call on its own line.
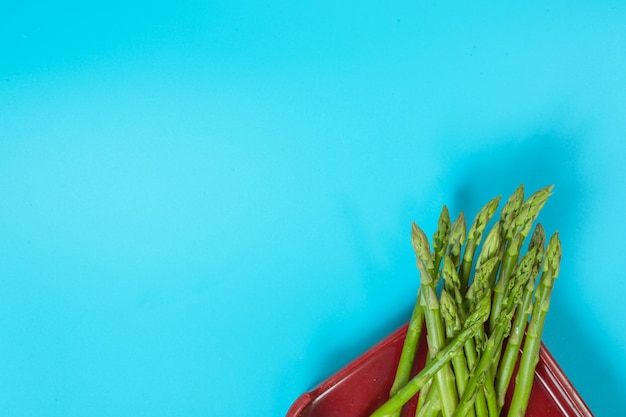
point(476, 301)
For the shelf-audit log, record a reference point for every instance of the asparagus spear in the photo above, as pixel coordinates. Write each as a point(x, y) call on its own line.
point(532, 343)
point(440, 244)
point(414, 330)
point(517, 233)
point(453, 321)
point(430, 405)
point(434, 323)
point(422, 251)
point(514, 341)
point(407, 356)
point(452, 285)
point(474, 237)
point(443, 357)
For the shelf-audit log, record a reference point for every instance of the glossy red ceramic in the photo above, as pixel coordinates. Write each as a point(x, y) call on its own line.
point(363, 385)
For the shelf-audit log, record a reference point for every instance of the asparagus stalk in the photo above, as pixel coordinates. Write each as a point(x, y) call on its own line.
point(517, 233)
point(453, 321)
point(422, 252)
point(434, 323)
point(440, 244)
point(443, 357)
point(409, 349)
point(514, 341)
point(532, 343)
point(414, 330)
point(430, 405)
point(473, 239)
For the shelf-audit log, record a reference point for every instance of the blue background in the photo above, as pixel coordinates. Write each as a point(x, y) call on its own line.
point(205, 207)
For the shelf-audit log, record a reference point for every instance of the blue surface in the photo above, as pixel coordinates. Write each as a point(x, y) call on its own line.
point(205, 207)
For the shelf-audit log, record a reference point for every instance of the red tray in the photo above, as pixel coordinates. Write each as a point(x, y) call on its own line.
point(363, 385)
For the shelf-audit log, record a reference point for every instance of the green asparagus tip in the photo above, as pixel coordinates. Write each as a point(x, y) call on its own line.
point(553, 255)
point(449, 312)
point(480, 313)
point(538, 241)
point(459, 228)
point(482, 218)
point(491, 246)
point(538, 238)
point(421, 246)
point(530, 210)
point(526, 263)
point(440, 238)
point(444, 219)
point(450, 276)
point(481, 285)
point(457, 237)
point(510, 209)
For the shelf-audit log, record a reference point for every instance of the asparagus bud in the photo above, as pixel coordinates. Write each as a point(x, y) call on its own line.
point(474, 237)
point(457, 239)
point(530, 210)
point(422, 251)
point(440, 238)
point(510, 210)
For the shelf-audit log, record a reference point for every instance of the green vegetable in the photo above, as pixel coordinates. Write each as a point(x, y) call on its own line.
point(440, 238)
point(530, 356)
point(476, 319)
point(434, 321)
point(452, 322)
point(474, 237)
point(457, 239)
